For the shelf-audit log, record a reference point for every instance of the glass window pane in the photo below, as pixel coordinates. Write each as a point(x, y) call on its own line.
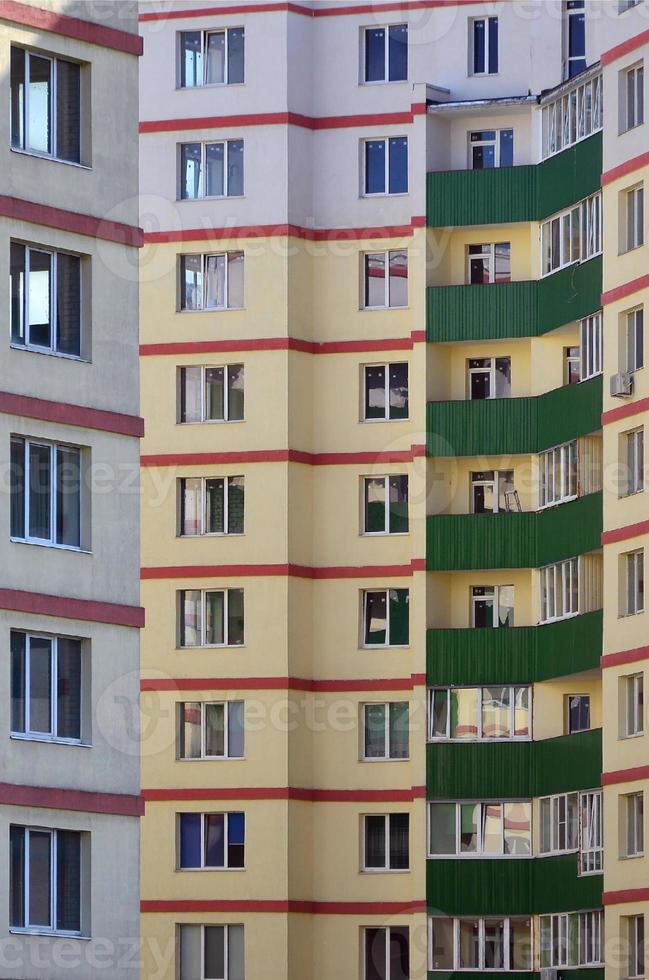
point(17, 644)
point(17, 485)
point(68, 304)
point(190, 618)
point(214, 394)
point(68, 722)
point(506, 147)
point(375, 843)
point(399, 953)
point(190, 394)
point(191, 279)
point(398, 502)
point(215, 169)
point(479, 46)
point(439, 720)
point(68, 111)
point(191, 59)
point(236, 65)
point(40, 878)
point(235, 280)
point(190, 730)
point(442, 828)
point(40, 104)
point(399, 617)
point(190, 505)
point(215, 506)
point(493, 45)
point(398, 282)
point(374, 54)
point(17, 72)
point(40, 684)
point(235, 952)
point(235, 392)
point(399, 834)
point(520, 944)
point(214, 856)
point(494, 944)
point(235, 168)
point(496, 714)
point(398, 52)
point(469, 944)
point(190, 840)
point(68, 880)
point(17, 877)
point(517, 826)
point(464, 708)
point(68, 496)
point(375, 618)
point(469, 827)
point(492, 828)
point(399, 730)
point(236, 726)
point(236, 496)
point(375, 279)
point(214, 950)
point(38, 298)
point(215, 58)
point(215, 295)
point(375, 393)
point(191, 942)
point(375, 954)
point(17, 292)
point(375, 516)
point(398, 165)
point(235, 617)
point(398, 391)
point(214, 618)
point(215, 729)
point(442, 944)
point(191, 183)
point(374, 731)
point(375, 167)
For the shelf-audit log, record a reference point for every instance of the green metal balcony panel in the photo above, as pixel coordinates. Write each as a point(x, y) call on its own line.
point(501, 311)
point(509, 770)
point(456, 198)
point(511, 426)
point(588, 973)
point(569, 176)
point(513, 540)
point(509, 886)
point(518, 655)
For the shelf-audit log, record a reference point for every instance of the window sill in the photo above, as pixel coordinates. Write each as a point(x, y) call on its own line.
point(379, 421)
point(380, 194)
point(212, 422)
point(214, 309)
point(203, 870)
point(30, 349)
point(631, 493)
point(380, 309)
point(214, 646)
point(52, 545)
point(384, 759)
point(51, 159)
point(557, 503)
point(384, 534)
point(382, 81)
point(626, 738)
point(219, 197)
point(213, 758)
point(39, 931)
point(385, 871)
point(386, 646)
point(217, 85)
point(211, 534)
point(48, 740)
point(631, 857)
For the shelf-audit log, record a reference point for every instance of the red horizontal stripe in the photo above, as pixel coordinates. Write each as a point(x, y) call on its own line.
point(281, 905)
point(284, 569)
point(625, 775)
point(282, 119)
point(79, 224)
point(624, 657)
point(625, 411)
point(628, 167)
point(88, 418)
point(30, 15)
point(282, 684)
point(283, 456)
point(624, 48)
point(283, 231)
point(627, 289)
point(285, 793)
point(51, 798)
point(87, 610)
point(295, 8)
point(624, 533)
point(284, 343)
point(626, 895)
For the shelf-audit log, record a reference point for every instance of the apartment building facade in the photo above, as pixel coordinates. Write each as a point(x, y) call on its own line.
point(69, 523)
point(393, 527)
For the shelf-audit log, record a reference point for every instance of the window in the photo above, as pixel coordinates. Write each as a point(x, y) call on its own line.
point(574, 235)
point(211, 282)
point(211, 619)
point(386, 953)
point(634, 567)
point(45, 105)
point(385, 392)
point(577, 713)
point(590, 347)
point(634, 218)
point(483, 45)
point(633, 822)
point(634, 339)
point(210, 729)
point(385, 276)
point(489, 148)
point(386, 53)
point(576, 37)
point(571, 822)
point(211, 951)
point(558, 477)
point(385, 618)
point(211, 57)
point(632, 705)
point(385, 845)
point(489, 263)
point(211, 394)
point(635, 933)
point(211, 169)
point(386, 166)
point(479, 712)
point(570, 939)
point(491, 491)
point(571, 365)
point(45, 880)
point(492, 606)
point(572, 116)
point(559, 590)
point(46, 687)
point(385, 505)
point(45, 289)
point(487, 829)
point(631, 82)
point(480, 944)
point(489, 377)
point(634, 455)
point(623, 5)
point(211, 840)
point(210, 505)
point(591, 839)
point(45, 493)
point(385, 730)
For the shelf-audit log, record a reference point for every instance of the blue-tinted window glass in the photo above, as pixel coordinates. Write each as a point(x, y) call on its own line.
point(398, 165)
point(398, 52)
point(214, 840)
point(506, 147)
point(479, 42)
point(191, 59)
point(190, 840)
point(375, 167)
point(236, 836)
point(375, 54)
point(235, 168)
point(493, 45)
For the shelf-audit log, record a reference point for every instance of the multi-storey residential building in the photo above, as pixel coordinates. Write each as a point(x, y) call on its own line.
point(393, 478)
point(69, 523)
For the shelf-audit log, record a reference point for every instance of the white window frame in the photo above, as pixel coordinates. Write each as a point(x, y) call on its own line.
point(495, 142)
point(386, 372)
point(53, 347)
point(582, 223)
point(634, 330)
point(226, 60)
point(204, 533)
point(50, 542)
point(203, 705)
point(226, 602)
point(506, 920)
point(633, 574)
point(480, 698)
point(35, 929)
point(386, 505)
point(386, 80)
point(564, 458)
point(633, 697)
point(203, 170)
point(226, 394)
point(204, 256)
point(559, 807)
point(387, 645)
point(387, 304)
point(634, 456)
point(561, 926)
point(226, 836)
point(496, 602)
point(495, 485)
point(633, 818)
point(591, 346)
point(387, 970)
point(559, 576)
point(632, 92)
point(488, 252)
point(386, 177)
point(636, 940)
point(633, 218)
point(53, 736)
point(591, 834)
point(472, 22)
point(387, 741)
point(572, 116)
point(386, 866)
point(52, 108)
point(624, 5)
point(226, 942)
point(480, 852)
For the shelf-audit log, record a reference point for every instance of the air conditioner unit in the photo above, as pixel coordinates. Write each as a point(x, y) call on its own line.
point(621, 385)
point(549, 973)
